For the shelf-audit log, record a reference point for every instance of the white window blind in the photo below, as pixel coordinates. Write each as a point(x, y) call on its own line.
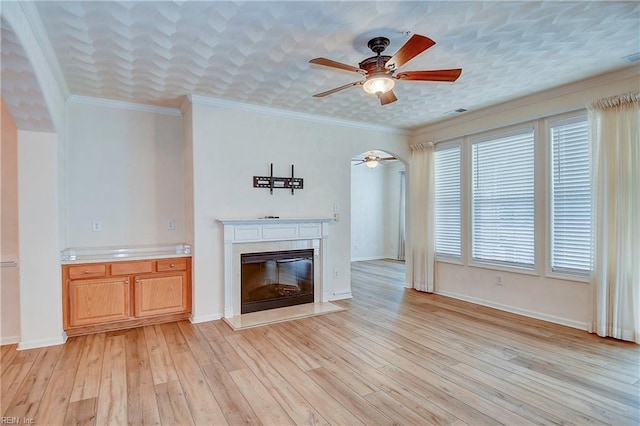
point(503, 200)
point(571, 198)
point(447, 208)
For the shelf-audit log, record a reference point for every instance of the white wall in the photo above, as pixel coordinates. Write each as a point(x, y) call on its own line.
point(40, 272)
point(375, 204)
point(9, 278)
point(539, 296)
point(39, 194)
point(125, 169)
point(231, 145)
point(368, 195)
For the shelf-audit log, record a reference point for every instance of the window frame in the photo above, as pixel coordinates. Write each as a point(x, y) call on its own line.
point(452, 144)
point(551, 122)
point(525, 127)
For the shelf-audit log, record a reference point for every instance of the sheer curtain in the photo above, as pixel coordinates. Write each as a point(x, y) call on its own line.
point(401, 212)
point(615, 280)
point(421, 236)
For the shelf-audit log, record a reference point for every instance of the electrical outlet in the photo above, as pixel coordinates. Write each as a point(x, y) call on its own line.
point(171, 224)
point(96, 226)
point(335, 274)
point(499, 280)
point(336, 217)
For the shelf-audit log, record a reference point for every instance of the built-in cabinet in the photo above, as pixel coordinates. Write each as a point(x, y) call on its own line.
point(116, 295)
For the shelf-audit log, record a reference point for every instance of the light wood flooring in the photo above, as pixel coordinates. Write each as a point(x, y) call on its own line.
point(395, 356)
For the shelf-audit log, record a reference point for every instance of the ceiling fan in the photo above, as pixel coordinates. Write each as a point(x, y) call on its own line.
point(379, 71)
point(372, 160)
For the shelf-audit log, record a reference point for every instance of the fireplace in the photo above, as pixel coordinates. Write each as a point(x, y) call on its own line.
point(247, 236)
point(276, 279)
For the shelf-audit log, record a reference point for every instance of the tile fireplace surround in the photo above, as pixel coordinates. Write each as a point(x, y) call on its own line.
point(260, 235)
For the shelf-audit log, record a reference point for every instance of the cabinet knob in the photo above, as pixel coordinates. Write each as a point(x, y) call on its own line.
point(87, 272)
point(172, 265)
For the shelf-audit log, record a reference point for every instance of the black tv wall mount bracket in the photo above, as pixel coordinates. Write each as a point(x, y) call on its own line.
point(272, 182)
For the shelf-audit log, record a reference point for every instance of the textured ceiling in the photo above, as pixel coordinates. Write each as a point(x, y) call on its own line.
point(258, 52)
point(20, 89)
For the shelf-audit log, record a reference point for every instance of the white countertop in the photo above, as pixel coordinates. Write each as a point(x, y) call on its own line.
point(113, 254)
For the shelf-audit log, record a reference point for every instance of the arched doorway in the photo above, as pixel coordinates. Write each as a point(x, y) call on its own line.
point(378, 208)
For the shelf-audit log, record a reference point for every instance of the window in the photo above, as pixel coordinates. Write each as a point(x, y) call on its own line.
point(502, 200)
point(570, 197)
point(447, 208)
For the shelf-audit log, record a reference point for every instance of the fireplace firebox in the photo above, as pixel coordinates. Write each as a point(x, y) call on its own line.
point(276, 279)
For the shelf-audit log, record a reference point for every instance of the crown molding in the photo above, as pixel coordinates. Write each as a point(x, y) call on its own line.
point(110, 103)
point(538, 97)
point(35, 22)
point(216, 102)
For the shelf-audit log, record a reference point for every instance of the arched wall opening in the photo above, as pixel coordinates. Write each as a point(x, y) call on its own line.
point(378, 201)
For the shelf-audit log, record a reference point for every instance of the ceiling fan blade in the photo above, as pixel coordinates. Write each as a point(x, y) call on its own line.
point(412, 48)
point(334, 64)
point(387, 158)
point(387, 98)
point(337, 89)
point(361, 162)
point(435, 75)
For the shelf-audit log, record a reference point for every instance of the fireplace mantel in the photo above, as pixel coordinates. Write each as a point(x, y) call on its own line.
point(251, 232)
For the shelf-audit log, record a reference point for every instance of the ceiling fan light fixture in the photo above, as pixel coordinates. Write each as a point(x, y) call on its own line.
point(371, 161)
point(378, 84)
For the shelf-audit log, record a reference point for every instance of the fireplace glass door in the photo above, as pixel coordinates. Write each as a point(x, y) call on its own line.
point(276, 279)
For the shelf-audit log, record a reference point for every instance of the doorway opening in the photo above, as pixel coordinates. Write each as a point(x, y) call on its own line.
point(378, 210)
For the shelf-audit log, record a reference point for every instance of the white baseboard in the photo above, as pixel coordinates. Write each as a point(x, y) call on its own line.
point(360, 259)
point(205, 318)
point(524, 312)
point(9, 340)
point(341, 296)
point(43, 343)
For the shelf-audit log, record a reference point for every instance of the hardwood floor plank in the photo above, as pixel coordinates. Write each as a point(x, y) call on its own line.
point(7, 354)
point(401, 414)
point(172, 404)
point(286, 395)
point(601, 369)
point(260, 399)
point(218, 344)
point(341, 363)
point(56, 398)
point(10, 383)
point(558, 411)
point(71, 353)
point(112, 399)
point(291, 349)
point(356, 404)
point(320, 399)
point(394, 356)
point(159, 356)
point(27, 400)
point(173, 337)
point(203, 406)
point(142, 406)
point(233, 404)
point(87, 382)
point(82, 412)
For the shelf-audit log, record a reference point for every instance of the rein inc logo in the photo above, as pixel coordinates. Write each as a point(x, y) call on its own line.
point(17, 421)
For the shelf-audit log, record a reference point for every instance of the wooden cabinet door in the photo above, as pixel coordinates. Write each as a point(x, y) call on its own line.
point(98, 301)
point(161, 294)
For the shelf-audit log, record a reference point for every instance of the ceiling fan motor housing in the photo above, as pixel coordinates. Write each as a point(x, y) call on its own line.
point(378, 44)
